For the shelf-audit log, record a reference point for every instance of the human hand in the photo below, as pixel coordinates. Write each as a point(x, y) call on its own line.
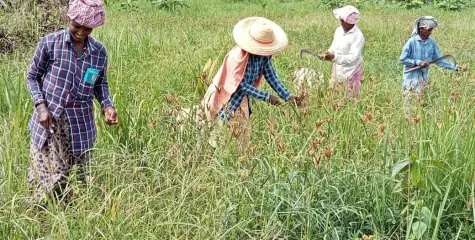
point(111, 116)
point(295, 100)
point(44, 116)
point(274, 100)
point(462, 68)
point(329, 56)
point(424, 64)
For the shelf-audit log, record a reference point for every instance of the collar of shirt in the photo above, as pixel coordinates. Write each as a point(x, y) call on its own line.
point(352, 30)
point(418, 38)
point(90, 45)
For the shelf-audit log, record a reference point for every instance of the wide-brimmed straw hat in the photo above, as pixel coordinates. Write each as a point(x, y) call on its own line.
point(260, 36)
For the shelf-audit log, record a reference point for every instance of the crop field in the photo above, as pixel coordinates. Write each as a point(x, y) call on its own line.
point(333, 169)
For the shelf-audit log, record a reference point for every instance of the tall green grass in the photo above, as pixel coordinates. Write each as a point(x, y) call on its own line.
point(149, 181)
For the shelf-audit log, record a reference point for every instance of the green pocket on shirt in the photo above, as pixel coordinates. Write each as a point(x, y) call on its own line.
point(91, 75)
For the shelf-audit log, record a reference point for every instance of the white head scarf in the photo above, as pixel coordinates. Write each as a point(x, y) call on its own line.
point(347, 13)
point(426, 22)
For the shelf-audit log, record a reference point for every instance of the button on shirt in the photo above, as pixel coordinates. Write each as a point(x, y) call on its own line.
point(347, 48)
point(413, 53)
point(55, 77)
point(255, 66)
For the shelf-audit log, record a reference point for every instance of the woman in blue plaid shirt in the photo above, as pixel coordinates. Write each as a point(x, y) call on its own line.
point(66, 73)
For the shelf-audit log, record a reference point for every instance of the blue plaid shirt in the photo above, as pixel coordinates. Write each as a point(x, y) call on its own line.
point(255, 66)
point(55, 77)
point(414, 52)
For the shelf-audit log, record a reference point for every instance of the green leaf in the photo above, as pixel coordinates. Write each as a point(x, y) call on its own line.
point(404, 211)
point(416, 174)
point(200, 89)
point(441, 210)
point(436, 187)
point(427, 215)
point(212, 71)
point(399, 166)
point(207, 65)
point(438, 164)
point(419, 228)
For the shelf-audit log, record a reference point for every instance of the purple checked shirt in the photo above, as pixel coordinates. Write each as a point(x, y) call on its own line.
point(55, 77)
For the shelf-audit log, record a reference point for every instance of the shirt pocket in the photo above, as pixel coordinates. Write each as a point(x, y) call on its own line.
point(83, 89)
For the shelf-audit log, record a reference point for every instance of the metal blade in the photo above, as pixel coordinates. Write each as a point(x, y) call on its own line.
point(306, 51)
point(442, 58)
point(432, 62)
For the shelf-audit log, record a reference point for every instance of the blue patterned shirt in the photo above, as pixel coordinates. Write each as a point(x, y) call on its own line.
point(255, 66)
point(414, 52)
point(55, 77)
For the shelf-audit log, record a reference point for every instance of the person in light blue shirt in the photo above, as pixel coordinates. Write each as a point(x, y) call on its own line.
point(419, 50)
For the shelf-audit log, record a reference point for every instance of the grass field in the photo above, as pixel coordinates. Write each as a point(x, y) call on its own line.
point(339, 180)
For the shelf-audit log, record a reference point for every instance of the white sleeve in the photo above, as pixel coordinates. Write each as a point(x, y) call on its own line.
point(334, 42)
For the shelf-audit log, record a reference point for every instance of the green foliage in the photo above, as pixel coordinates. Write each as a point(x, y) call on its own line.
point(453, 5)
point(243, 1)
point(339, 3)
point(204, 77)
point(422, 218)
point(24, 22)
point(170, 5)
point(109, 2)
point(289, 1)
point(263, 3)
point(319, 172)
point(410, 4)
point(334, 3)
point(131, 5)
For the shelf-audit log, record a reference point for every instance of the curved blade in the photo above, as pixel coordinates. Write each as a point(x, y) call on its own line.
point(443, 58)
point(432, 62)
point(306, 51)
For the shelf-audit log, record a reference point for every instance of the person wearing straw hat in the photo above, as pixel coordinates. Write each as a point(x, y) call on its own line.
point(346, 50)
point(419, 50)
point(66, 73)
point(239, 77)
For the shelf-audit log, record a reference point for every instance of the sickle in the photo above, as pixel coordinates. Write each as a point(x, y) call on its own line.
point(432, 62)
point(306, 51)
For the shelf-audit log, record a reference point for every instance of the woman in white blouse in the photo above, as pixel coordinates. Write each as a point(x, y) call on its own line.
point(346, 50)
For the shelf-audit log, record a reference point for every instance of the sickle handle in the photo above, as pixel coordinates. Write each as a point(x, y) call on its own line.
point(412, 69)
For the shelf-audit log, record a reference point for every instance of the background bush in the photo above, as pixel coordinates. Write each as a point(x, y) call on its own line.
point(24, 22)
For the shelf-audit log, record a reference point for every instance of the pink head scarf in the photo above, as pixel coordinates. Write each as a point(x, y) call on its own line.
point(348, 14)
point(89, 13)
